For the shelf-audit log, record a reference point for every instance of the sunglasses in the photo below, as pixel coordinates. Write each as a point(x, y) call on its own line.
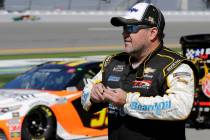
point(134, 28)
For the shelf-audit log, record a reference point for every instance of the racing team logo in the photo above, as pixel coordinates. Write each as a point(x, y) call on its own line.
point(149, 70)
point(198, 53)
point(206, 85)
point(142, 84)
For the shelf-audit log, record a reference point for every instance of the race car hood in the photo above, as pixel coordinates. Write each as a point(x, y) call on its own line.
point(11, 96)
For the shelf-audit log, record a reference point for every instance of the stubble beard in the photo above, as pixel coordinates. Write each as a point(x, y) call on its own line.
point(137, 52)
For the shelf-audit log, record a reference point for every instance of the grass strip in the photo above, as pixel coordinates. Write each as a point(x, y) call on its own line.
point(55, 55)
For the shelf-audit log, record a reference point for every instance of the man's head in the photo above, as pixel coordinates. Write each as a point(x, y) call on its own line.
point(143, 22)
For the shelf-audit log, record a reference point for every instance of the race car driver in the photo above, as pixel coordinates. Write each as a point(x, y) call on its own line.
point(149, 89)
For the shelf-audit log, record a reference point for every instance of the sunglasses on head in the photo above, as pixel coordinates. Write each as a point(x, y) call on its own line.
point(134, 28)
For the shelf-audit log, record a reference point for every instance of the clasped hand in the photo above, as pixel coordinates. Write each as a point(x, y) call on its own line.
point(100, 93)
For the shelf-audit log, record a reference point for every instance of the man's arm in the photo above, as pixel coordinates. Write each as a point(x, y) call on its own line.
point(176, 104)
point(91, 97)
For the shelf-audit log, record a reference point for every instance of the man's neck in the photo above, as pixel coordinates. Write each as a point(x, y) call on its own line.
point(138, 59)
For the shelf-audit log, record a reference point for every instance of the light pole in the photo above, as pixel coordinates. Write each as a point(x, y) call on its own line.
point(1, 4)
point(184, 5)
point(69, 4)
point(29, 4)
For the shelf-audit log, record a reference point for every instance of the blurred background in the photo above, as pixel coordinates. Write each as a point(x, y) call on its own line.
point(105, 5)
point(30, 26)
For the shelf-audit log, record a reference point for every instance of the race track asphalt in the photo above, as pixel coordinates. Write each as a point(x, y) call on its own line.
point(32, 37)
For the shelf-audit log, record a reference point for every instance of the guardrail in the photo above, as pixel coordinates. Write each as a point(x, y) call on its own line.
point(21, 65)
point(94, 16)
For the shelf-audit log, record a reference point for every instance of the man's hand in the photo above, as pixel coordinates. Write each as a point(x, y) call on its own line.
point(115, 96)
point(97, 93)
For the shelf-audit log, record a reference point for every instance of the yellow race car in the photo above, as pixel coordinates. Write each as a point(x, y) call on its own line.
point(44, 103)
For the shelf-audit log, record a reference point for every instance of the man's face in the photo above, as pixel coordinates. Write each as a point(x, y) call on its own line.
point(136, 39)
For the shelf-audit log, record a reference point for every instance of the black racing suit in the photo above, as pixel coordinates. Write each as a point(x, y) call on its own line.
point(160, 95)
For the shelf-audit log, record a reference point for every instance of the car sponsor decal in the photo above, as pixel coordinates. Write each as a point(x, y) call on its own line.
point(206, 85)
point(14, 126)
point(197, 53)
point(71, 70)
point(15, 114)
point(15, 134)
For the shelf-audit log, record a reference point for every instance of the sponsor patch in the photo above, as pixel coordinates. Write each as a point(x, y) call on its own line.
point(173, 65)
point(179, 79)
point(156, 108)
point(148, 76)
point(149, 70)
point(206, 85)
point(118, 68)
point(113, 78)
point(142, 84)
point(180, 74)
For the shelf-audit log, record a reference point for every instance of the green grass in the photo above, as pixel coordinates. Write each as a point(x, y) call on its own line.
point(55, 55)
point(6, 78)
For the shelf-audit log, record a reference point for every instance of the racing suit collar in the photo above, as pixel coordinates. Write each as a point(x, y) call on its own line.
point(140, 72)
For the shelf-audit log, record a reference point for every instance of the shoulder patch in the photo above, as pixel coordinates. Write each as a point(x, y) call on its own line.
point(171, 66)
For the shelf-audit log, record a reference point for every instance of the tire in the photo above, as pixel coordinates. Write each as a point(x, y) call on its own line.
point(39, 124)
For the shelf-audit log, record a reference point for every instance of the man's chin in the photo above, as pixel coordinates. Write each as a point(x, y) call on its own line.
point(128, 49)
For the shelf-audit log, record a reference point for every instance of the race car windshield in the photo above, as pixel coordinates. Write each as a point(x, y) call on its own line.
point(45, 78)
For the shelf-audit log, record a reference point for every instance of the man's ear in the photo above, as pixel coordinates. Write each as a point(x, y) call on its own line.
point(153, 33)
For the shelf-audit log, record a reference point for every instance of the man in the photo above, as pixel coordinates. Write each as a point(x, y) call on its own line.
point(149, 89)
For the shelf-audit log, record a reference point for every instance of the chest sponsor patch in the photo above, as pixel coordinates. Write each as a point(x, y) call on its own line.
point(114, 78)
point(142, 84)
point(118, 68)
point(150, 76)
point(149, 70)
